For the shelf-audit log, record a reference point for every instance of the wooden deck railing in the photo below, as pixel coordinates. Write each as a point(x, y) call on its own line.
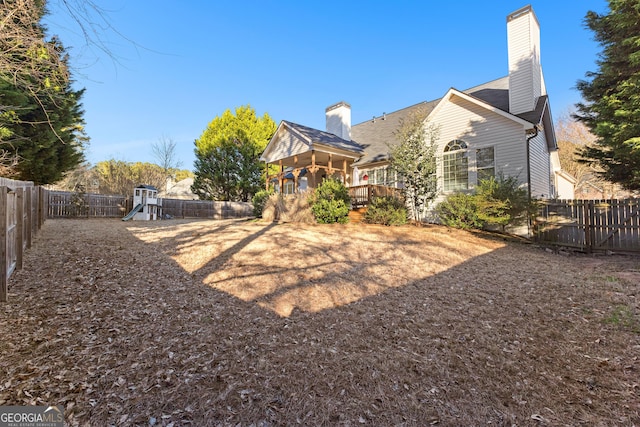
point(361, 195)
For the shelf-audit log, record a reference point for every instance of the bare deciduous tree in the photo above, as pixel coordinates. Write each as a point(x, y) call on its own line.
point(572, 136)
point(164, 151)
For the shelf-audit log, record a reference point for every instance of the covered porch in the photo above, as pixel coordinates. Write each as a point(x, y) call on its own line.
point(306, 170)
point(305, 156)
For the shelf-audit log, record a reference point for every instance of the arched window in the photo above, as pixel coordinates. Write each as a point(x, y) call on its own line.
point(455, 166)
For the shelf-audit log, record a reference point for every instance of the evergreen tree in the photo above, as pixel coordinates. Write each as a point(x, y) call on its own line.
point(47, 134)
point(611, 107)
point(227, 165)
point(41, 115)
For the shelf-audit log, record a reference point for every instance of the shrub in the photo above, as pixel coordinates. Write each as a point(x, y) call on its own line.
point(498, 201)
point(330, 202)
point(459, 210)
point(259, 199)
point(330, 211)
point(502, 201)
point(386, 210)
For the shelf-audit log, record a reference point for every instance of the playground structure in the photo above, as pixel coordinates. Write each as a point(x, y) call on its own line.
point(146, 204)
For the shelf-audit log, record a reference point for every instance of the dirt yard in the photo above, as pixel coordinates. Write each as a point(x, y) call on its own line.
point(225, 323)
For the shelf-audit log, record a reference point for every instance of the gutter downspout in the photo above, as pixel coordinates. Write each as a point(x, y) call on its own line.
point(529, 138)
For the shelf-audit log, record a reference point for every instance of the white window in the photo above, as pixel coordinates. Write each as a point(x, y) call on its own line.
point(302, 184)
point(455, 166)
point(485, 163)
point(289, 187)
point(379, 176)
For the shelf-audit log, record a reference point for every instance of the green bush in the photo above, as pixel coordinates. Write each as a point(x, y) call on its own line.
point(502, 201)
point(330, 202)
point(330, 211)
point(386, 210)
point(460, 210)
point(497, 201)
point(259, 199)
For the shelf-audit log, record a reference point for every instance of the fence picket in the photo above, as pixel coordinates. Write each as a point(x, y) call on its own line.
point(590, 224)
point(16, 227)
point(65, 204)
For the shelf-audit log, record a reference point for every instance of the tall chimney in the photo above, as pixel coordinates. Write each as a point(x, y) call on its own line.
point(525, 72)
point(339, 120)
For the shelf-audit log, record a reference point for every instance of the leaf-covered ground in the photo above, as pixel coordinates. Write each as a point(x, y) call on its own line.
point(209, 323)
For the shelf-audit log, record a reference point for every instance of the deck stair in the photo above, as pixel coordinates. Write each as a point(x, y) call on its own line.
point(356, 216)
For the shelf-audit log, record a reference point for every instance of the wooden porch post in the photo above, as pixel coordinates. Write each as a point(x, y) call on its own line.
point(296, 172)
point(344, 171)
point(313, 168)
point(266, 176)
point(330, 166)
point(281, 176)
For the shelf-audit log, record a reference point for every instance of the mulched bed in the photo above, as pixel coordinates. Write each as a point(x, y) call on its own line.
point(207, 323)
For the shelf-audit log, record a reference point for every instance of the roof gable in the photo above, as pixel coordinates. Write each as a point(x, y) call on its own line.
point(292, 138)
point(376, 135)
point(481, 103)
point(315, 136)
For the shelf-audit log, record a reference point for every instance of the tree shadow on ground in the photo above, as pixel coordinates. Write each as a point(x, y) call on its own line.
point(127, 334)
point(285, 266)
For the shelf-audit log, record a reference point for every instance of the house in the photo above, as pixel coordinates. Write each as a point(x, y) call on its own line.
point(502, 126)
point(179, 190)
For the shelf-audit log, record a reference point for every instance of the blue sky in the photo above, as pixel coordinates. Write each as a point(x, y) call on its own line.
point(177, 65)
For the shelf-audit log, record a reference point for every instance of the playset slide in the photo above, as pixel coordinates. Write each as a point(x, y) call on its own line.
point(133, 212)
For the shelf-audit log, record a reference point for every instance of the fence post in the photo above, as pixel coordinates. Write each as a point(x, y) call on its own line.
point(587, 211)
point(29, 221)
point(3, 244)
point(42, 209)
point(19, 227)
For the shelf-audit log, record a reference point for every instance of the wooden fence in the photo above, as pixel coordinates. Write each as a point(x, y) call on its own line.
point(590, 225)
point(22, 213)
point(65, 204)
point(205, 209)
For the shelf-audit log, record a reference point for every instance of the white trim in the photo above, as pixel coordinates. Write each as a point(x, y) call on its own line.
point(333, 150)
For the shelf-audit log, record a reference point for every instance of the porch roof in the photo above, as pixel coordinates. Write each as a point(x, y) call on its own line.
point(292, 139)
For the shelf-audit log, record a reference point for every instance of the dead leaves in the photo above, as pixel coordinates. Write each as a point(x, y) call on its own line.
point(414, 326)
